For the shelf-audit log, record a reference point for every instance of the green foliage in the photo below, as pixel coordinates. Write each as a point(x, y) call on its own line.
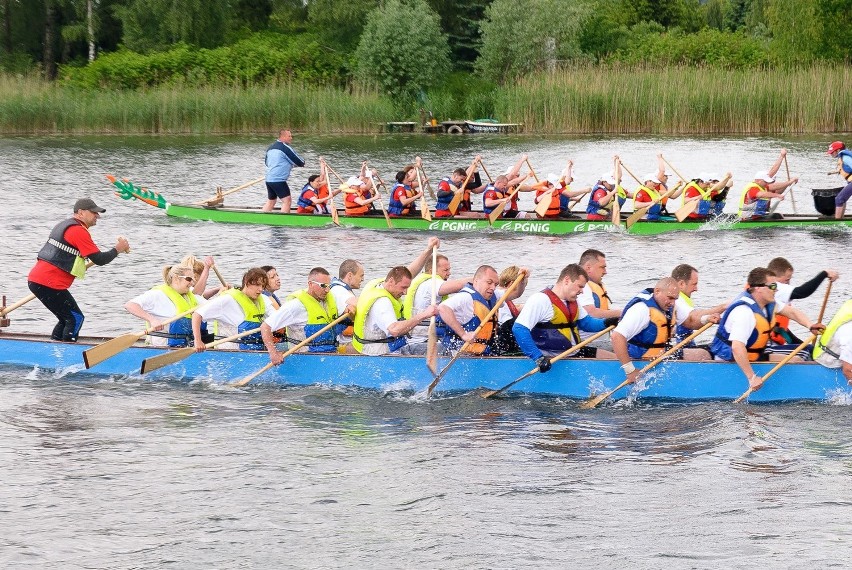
point(341, 22)
point(836, 16)
point(403, 49)
point(261, 58)
point(462, 95)
point(682, 14)
point(460, 21)
point(796, 29)
point(151, 25)
point(520, 36)
point(707, 47)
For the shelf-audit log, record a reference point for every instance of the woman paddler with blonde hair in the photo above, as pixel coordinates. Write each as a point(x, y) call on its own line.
point(164, 301)
point(201, 270)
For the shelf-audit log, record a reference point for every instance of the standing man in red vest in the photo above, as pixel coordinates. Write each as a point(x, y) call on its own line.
point(62, 259)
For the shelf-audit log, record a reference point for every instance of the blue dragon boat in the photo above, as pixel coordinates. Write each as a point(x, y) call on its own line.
point(572, 378)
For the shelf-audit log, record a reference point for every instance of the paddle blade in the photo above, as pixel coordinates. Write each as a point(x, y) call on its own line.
point(683, 212)
point(170, 357)
point(110, 348)
point(593, 402)
point(636, 216)
point(455, 202)
point(543, 204)
point(616, 211)
point(425, 213)
point(250, 377)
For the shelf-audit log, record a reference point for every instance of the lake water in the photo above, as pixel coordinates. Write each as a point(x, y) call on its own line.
point(133, 474)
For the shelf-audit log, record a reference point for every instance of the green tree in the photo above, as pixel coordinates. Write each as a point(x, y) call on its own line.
point(403, 49)
point(253, 13)
point(836, 16)
point(340, 21)
point(158, 24)
point(460, 20)
point(796, 29)
point(519, 36)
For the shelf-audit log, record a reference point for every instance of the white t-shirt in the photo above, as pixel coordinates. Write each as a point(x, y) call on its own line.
point(539, 309)
point(379, 319)
point(741, 322)
point(422, 300)
point(783, 293)
point(225, 310)
point(462, 306)
point(158, 304)
point(682, 310)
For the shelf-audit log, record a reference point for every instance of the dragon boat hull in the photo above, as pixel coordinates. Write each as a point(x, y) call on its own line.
point(572, 378)
point(463, 225)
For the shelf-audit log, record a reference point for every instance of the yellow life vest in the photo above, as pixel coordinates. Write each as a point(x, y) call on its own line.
point(253, 311)
point(319, 316)
point(843, 316)
point(182, 303)
point(600, 292)
point(365, 302)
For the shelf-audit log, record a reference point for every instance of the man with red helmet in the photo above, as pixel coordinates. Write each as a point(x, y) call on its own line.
point(844, 168)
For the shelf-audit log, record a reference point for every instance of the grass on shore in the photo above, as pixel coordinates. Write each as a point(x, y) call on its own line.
point(681, 100)
point(622, 100)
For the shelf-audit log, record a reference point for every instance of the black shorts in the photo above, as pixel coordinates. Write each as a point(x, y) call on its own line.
point(586, 352)
point(276, 190)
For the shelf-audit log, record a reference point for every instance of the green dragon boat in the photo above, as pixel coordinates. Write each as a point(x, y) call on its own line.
point(220, 213)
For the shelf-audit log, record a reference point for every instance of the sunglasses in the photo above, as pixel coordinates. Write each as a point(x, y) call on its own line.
point(187, 278)
point(772, 286)
point(322, 285)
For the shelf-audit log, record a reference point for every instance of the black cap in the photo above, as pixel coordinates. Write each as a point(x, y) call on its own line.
point(87, 204)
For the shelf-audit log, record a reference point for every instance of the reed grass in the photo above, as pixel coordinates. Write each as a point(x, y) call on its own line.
point(681, 100)
point(593, 99)
point(31, 106)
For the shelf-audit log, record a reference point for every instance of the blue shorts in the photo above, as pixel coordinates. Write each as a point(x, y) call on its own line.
point(277, 190)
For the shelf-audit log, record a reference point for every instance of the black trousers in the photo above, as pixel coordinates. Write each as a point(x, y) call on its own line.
point(61, 303)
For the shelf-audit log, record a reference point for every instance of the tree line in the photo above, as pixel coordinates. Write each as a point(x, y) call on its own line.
point(404, 47)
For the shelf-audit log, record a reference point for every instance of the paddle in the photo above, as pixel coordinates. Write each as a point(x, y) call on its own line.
point(110, 348)
point(616, 205)
point(544, 203)
point(179, 354)
point(379, 199)
point(485, 170)
point(487, 318)
point(424, 207)
point(335, 218)
point(592, 402)
point(454, 203)
point(635, 216)
point(573, 349)
point(250, 377)
point(6, 310)
point(426, 181)
point(683, 212)
point(795, 351)
point(331, 207)
point(531, 169)
point(498, 211)
point(792, 194)
point(219, 196)
point(432, 338)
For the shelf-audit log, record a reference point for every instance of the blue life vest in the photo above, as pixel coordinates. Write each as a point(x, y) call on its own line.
point(481, 308)
point(396, 207)
point(594, 207)
point(764, 320)
point(443, 203)
point(655, 338)
point(303, 202)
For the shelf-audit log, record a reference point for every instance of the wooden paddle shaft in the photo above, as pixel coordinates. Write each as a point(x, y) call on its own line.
point(299, 346)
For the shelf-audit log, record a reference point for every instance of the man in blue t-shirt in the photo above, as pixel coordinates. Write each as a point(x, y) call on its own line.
point(280, 159)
